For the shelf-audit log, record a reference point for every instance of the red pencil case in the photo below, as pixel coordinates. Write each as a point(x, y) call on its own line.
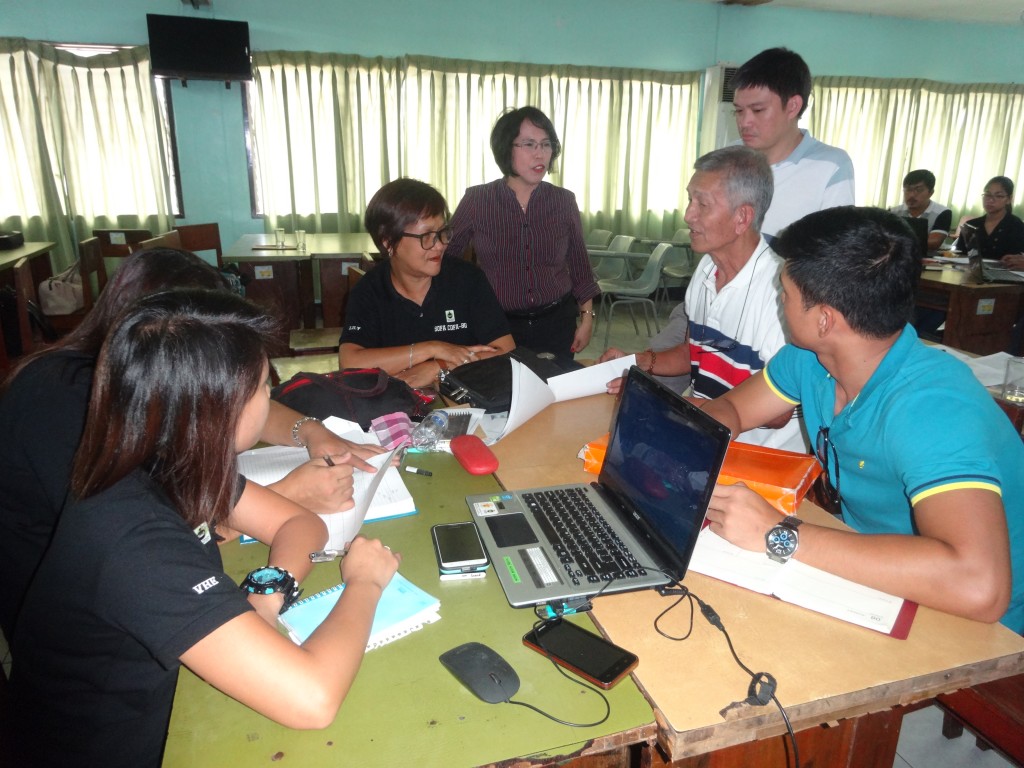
point(475, 457)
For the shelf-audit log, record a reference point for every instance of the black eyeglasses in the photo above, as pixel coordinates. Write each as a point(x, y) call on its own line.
point(532, 146)
point(719, 345)
point(429, 239)
point(831, 490)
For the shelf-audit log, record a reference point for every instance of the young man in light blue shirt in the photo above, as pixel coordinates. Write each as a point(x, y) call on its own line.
point(926, 467)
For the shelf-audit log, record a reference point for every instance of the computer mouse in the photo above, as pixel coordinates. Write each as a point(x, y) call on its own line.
point(483, 671)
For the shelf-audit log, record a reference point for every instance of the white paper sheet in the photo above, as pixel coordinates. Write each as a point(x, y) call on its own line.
point(378, 495)
point(530, 395)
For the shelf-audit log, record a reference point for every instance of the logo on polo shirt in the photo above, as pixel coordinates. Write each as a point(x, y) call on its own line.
point(202, 586)
point(449, 315)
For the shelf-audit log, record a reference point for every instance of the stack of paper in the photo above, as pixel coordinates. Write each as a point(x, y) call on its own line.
point(531, 395)
point(377, 495)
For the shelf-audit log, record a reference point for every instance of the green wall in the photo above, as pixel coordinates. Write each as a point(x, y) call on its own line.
point(658, 34)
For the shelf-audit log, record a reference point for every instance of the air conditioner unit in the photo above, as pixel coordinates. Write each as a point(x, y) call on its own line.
point(718, 124)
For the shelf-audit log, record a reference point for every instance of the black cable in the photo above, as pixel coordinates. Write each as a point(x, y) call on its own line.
point(762, 684)
point(607, 705)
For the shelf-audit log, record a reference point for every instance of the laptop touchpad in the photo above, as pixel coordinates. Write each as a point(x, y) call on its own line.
point(511, 530)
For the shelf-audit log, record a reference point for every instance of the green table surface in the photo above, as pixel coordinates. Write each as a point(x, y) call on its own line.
point(405, 708)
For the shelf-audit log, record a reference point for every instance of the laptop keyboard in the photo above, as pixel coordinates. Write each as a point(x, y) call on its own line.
point(587, 547)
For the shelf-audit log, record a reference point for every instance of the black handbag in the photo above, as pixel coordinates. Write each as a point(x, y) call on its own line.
point(356, 394)
point(487, 383)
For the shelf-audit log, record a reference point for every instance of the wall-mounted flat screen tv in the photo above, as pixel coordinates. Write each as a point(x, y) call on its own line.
point(191, 48)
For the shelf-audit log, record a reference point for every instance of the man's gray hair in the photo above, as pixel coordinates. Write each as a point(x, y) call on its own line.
point(748, 178)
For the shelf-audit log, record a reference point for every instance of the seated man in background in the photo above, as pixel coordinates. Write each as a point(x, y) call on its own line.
point(732, 300)
point(772, 90)
point(918, 187)
point(924, 465)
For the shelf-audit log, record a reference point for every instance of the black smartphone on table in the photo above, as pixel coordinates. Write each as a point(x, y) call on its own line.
point(582, 652)
point(458, 548)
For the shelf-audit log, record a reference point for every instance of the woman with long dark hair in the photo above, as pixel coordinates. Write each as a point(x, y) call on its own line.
point(132, 584)
point(42, 412)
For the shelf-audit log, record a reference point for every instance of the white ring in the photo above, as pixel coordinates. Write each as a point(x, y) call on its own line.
point(387, 547)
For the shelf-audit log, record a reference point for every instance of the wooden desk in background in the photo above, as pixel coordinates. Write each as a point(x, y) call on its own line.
point(841, 684)
point(405, 708)
point(41, 268)
point(332, 270)
point(282, 280)
point(979, 316)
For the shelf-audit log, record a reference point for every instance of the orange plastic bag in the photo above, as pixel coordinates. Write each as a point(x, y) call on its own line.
point(781, 477)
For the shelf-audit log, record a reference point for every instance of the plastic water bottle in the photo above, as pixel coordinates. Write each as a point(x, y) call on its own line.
point(429, 431)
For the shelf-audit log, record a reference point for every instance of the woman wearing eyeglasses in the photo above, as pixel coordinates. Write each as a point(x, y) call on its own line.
point(527, 237)
point(419, 312)
point(998, 234)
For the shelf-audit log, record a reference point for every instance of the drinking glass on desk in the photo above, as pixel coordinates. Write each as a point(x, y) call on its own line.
point(1013, 382)
point(300, 240)
point(279, 237)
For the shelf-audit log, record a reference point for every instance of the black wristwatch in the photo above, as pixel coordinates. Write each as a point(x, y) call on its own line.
point(782, 540)
point(270, 579)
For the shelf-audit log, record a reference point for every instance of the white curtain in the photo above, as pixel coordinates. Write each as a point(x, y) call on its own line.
point(329, 130)
point(963, 133)
point(81, 144)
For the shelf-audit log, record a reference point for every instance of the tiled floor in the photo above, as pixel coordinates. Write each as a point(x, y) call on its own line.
point(921, 743)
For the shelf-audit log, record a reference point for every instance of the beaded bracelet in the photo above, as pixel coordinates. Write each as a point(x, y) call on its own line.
point(295, 429)
point(654, 359)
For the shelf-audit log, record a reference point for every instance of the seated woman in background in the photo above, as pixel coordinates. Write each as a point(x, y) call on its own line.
point(132, 584)
point(42, 413)
point(419, 312)
point(527, 237)
point(998, 233)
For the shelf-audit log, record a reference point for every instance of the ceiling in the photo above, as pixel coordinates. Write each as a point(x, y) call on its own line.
point(982, 11)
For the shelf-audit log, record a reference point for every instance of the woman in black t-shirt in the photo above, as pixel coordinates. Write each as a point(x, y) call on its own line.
point(420, 311)
point(132, 584)
point(998, 233)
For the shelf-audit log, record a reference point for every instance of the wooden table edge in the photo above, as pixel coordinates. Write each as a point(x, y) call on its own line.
point(769, 723)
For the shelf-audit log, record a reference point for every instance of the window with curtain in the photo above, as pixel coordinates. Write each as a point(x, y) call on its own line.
point(963, 133)
point(81, 142)
point(328, 130)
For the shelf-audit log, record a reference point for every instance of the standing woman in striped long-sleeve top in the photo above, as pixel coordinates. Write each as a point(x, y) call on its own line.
point(527, 238)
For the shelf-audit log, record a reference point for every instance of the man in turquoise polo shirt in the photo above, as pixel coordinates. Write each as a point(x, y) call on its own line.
point(928, 471)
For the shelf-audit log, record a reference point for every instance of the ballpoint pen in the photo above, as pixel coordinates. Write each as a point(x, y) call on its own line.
point(326, 555)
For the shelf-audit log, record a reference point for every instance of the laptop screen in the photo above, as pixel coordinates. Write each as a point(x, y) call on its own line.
point(661, 466)
point(920, 229)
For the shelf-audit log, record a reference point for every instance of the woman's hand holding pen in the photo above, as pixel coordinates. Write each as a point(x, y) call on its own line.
point(369, 560)
point(320, 441)
point(320, 485)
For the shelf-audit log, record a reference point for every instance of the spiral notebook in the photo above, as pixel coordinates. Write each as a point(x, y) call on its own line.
point(403, 609)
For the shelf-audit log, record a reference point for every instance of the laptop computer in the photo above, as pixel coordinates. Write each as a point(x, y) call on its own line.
point(661, 465)
point(989, 272)
point(920, 230)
